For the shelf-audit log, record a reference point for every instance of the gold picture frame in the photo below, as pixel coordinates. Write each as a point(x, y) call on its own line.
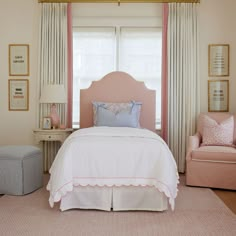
point(18, 59)
point(218, 60)
point(18, 93)
point(218, 95)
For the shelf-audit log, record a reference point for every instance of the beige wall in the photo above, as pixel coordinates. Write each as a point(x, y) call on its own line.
point(19, 24)
point(217, 26)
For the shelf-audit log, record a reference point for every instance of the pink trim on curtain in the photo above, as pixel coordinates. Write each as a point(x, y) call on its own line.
point(70, 67)
point(164, 89)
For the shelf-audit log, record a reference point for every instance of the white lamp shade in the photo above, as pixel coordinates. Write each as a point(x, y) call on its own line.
point(53, 93)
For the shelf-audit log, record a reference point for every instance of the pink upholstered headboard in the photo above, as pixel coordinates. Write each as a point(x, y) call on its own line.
point(118, 87)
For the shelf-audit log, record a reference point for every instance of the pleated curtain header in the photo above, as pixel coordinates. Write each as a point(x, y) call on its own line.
point(119, 1)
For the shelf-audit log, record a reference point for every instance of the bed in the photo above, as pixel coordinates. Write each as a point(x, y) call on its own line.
point(115, 166)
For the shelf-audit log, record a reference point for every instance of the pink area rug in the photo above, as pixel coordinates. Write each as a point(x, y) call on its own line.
point(198, 212)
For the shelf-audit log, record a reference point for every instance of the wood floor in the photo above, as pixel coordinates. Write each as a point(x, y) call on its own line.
point(228, 197)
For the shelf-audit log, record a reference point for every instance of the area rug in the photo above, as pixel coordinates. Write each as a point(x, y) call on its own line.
point(198, 212)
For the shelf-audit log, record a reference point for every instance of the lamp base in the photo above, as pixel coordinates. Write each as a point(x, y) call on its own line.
point(54, 117)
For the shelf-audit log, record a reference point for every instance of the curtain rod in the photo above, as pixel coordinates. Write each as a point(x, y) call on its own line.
point(119, 1)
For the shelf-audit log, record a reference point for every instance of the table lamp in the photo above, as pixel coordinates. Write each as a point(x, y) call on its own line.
point(53, 93)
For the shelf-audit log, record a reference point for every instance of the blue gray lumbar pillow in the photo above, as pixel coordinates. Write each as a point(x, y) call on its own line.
point(117, 114)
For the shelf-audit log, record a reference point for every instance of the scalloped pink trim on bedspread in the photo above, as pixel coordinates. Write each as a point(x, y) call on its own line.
point(68, 187)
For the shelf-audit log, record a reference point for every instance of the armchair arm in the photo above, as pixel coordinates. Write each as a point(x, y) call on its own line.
point(193, 143)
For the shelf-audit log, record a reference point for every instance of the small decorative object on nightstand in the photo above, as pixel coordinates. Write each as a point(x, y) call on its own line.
point(53, 93)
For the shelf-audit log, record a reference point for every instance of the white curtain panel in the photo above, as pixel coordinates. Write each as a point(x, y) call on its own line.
point(52, 52)
point(52, 63)
point(183, 77)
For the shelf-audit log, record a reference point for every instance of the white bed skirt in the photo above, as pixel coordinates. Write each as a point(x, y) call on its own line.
point(115, 198)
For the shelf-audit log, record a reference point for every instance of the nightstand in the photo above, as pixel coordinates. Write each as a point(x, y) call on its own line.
point(49, 135)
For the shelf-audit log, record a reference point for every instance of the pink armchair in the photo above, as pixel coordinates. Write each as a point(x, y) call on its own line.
point(211, 165)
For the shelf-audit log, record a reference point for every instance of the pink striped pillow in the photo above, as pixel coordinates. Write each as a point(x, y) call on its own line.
point(217, 134)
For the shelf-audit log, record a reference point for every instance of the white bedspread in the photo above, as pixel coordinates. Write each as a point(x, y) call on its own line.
point(112, 156)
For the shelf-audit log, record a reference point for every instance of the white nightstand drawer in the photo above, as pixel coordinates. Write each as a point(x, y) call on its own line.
point(50, 137)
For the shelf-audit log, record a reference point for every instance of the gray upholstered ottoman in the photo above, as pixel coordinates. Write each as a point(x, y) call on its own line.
point(21, 169)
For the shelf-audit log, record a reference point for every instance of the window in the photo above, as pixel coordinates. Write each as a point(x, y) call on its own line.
point(140, 56)
point(98, 51)
point(93, 57)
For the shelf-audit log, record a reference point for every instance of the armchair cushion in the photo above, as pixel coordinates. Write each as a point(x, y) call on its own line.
point(217, 133)
point(219, 154)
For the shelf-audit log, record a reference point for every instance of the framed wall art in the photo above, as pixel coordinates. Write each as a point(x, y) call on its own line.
point(18, 92)
point(47, 123)
point(218, 95)
point(218, 60)
point(18, 59)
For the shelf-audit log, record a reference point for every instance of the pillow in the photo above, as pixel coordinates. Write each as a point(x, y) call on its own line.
point(217, 134)
point(117, 114)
